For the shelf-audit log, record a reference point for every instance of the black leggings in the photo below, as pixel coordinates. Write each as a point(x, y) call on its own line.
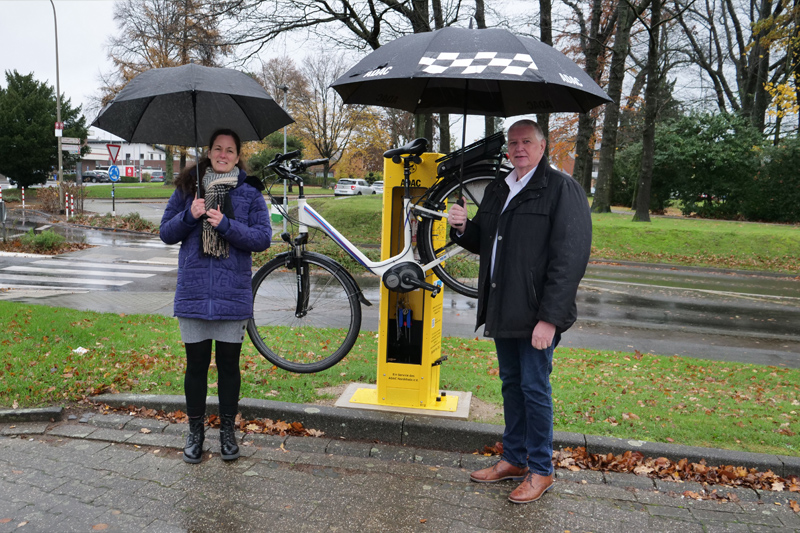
point(195, 383)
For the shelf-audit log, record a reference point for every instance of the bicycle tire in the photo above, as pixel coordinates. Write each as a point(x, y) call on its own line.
point(459, 273)
point(321, 338)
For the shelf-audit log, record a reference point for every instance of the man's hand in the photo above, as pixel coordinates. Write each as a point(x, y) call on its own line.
point(198, 207)
point(457, 217)
point(543, 335)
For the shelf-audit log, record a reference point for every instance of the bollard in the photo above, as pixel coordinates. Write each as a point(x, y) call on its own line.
point(1, 195)
point(72, 205)
point(66, 206)
point(23, 198)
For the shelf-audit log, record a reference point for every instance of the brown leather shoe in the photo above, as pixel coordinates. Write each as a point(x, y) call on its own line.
point(531, 488)
point(502, 470)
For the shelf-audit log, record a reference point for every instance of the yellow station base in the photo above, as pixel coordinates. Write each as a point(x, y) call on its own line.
point(454, 404)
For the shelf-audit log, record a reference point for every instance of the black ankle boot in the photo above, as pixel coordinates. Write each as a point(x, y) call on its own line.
point(193, 452)
point(228, 448)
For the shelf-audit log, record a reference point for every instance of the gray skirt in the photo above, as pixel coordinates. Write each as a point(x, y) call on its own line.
point(198, 330)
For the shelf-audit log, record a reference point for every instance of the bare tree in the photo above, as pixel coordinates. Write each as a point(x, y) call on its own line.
point(322, 118)
point(626, 16)
point(594, 45)
point(158, 34)
point(729, 41)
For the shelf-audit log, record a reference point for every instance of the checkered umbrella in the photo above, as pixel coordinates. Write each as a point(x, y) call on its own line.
point(475, 72)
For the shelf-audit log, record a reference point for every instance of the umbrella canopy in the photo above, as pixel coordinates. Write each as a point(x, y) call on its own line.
point(181, 105)
point(475, 72)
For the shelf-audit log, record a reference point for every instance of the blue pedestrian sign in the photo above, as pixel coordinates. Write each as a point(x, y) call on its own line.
point(113, 173)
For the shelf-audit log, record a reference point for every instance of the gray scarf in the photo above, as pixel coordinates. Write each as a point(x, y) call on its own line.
point(217, 187)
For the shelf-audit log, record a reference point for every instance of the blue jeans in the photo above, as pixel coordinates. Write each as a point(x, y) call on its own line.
point(527, 403)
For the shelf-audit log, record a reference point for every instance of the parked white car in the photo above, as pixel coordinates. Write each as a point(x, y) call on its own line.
point(350, 187)
point(377, 186)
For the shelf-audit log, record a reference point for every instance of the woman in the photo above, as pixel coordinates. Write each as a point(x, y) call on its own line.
point(218, 230)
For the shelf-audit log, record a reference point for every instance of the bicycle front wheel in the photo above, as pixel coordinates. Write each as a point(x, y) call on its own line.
point(460, 272)
point(319, 333)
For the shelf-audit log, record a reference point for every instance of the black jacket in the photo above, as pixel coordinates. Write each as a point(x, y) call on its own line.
point(544, 242)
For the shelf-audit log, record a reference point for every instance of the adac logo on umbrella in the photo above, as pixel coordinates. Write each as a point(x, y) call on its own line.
point(383, 70)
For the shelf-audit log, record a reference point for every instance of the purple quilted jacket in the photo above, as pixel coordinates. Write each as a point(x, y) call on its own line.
point(210, 288)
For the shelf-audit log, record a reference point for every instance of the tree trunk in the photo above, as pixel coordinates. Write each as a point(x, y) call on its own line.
point(444, 133)
point(650, 110)
point(584, 153)
point(602, 194)
point(546, 36)
point(490, 125)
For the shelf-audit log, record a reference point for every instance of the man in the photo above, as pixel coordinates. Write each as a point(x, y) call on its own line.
point(533, 233)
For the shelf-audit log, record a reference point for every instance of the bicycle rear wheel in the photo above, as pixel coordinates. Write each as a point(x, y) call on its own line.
point(324, 334)
point(460, 272)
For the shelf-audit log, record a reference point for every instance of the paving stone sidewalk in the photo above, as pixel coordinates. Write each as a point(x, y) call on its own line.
point(121, 473)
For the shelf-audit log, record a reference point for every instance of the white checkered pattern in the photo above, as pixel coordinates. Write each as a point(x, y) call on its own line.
point(476, 63)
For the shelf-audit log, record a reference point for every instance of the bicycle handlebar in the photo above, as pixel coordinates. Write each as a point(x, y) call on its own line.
point(279, 158)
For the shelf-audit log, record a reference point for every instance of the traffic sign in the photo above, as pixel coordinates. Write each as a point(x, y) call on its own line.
point(113, 151)
point(113, 173)
point(71, 149)
point(70, 140)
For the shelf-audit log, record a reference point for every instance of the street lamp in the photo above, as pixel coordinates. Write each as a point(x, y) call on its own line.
point(285, 89)
point(58, 113)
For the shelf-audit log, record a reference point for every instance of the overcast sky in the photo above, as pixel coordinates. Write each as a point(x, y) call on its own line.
point(27, 43)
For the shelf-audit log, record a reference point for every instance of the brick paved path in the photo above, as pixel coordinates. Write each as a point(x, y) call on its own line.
point(107, 474)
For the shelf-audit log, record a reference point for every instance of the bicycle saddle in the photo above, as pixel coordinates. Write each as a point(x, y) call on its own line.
point(415, 147)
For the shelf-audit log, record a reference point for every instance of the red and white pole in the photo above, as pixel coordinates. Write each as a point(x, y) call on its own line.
point(23, 198)
point(66, 205)
point(72, 205)
point(1, 195)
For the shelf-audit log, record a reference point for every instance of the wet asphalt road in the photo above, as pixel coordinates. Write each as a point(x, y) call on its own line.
point(666, 310)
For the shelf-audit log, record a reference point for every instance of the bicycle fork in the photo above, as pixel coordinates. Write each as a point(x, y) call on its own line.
point(294, 260)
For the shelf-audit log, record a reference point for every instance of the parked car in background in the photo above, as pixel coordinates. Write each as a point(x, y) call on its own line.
point(351, 187)
point(11, 182)
point(96, 176)
point(156, 176)
point(377, 186)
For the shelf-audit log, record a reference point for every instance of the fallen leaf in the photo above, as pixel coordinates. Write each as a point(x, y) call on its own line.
point(145, 430)
point(778, 486)
point(794, 505)
point(100, 527)
point(14, 404)
point(423, 520)
point(5, 520)
point(25, 523)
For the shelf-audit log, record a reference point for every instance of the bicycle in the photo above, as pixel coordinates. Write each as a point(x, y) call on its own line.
point(317, 303)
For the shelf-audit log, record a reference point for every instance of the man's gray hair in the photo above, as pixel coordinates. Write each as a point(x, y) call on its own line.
point(530, 123)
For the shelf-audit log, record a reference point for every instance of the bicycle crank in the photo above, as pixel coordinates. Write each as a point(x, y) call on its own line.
point(407, 277)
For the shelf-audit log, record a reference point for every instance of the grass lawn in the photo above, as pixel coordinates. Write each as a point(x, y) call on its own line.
point(654, 398)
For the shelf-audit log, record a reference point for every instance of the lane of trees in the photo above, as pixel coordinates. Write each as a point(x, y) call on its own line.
point(716, 70)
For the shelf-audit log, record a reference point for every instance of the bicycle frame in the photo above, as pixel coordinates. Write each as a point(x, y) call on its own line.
point(309, 217)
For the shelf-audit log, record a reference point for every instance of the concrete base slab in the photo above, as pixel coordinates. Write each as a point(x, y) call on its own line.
point(460, 413)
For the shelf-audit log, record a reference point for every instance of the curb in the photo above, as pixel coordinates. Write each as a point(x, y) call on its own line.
point(40, 414)
point(452, 435)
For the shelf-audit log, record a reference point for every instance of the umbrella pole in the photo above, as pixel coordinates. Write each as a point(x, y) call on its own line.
point(463, 143)
point(196, 152)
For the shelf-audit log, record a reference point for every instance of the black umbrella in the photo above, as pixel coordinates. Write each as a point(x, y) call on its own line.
point(475, 72)
point(179, 105)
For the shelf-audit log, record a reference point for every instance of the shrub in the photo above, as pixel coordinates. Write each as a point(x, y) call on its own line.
point(44, 241)
point(773, 194)
point(51, 199)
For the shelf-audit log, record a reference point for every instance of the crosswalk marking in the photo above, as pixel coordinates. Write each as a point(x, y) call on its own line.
point(103, 273)
point(47, 287)
point(86, 281)
point(115, 266)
